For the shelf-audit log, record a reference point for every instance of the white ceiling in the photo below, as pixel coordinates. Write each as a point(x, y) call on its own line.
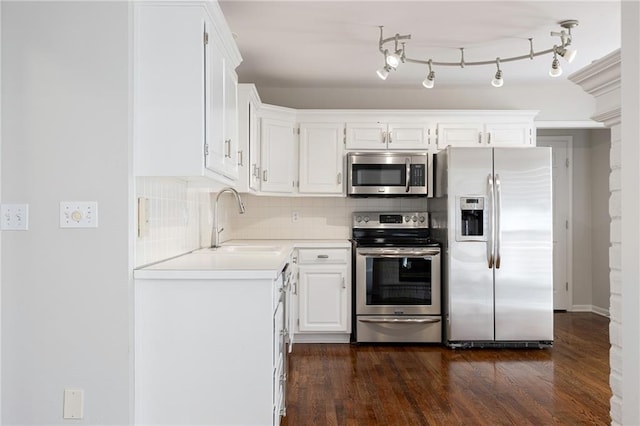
point(304, 43)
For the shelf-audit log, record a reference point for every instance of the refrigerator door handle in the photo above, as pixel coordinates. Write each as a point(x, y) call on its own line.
point(490, 242)
point(498, 233)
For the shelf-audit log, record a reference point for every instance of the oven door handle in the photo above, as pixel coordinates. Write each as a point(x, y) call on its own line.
point(419, 253)
point(400, 320)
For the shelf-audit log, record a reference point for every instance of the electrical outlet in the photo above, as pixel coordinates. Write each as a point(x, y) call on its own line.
point(78, 214)
point(14, 217)
point(295, 216)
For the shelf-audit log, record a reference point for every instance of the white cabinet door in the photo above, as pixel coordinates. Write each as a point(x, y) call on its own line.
point(411, 136)
point(230, 123)
point(321, 158)
point(509, 134)
point(366, 136)
point(460, 134)
point(215, 152)
point(171, 82)
point(248, 149)
point(323, 298)
point(278, 161)
point(387, 136)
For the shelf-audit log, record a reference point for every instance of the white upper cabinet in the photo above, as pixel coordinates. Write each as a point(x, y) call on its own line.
point(321, 165)
point(248, 139)
point(183, 97)
point(388, 136)
point(277, 155)
point(492, 132)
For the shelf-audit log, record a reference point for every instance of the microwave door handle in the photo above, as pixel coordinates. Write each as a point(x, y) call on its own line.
point(407, 163)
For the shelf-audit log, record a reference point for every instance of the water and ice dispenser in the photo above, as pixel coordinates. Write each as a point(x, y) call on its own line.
point(471, 218)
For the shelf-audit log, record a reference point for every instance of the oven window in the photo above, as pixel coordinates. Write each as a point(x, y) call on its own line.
point(398, 281)
point(379, 175)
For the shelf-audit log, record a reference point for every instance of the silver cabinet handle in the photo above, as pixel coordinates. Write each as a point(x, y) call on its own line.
point(323, 256)
point(264, 175)
point(343, 283)
point(389, 137)
point(384, 137)
point(479, 137)
point(340, 178)
point(227, 148)
point(256, 171)
point(497, 223)
point(400, 320)
point(240, 158)
point(489, 137)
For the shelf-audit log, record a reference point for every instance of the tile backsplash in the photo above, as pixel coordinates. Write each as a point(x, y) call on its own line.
point(174, 216)
point(180, 217)
point(269, 217)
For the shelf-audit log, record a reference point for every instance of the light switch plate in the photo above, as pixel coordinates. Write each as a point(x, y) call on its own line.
point(78, 214)
point(72, 406)
point(14, 217)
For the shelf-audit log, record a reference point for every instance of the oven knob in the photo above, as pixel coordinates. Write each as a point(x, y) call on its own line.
point(414, 218)
point(366, 219)
point(422, 219)
point(358, 219)
point(407, 218)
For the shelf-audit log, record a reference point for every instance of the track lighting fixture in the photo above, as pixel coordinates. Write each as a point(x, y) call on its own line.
point(396, 56)
point(497, 80)
point(430, 80)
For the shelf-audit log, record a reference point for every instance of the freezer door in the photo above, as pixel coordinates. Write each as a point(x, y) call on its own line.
point(469, 293)
point(524, 258)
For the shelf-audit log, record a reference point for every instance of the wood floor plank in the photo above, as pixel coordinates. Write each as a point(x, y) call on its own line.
point(356, 385)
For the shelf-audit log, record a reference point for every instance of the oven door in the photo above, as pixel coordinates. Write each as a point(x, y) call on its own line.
point(398, 281)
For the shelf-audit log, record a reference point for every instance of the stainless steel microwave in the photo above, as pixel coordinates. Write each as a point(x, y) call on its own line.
point(389, 174)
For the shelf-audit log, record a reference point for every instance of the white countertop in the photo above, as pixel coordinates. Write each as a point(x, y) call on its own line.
point(237, 259)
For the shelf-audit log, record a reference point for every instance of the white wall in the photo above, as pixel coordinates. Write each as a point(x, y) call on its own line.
point(65, 136)
point(557, 101)
point(590, 216)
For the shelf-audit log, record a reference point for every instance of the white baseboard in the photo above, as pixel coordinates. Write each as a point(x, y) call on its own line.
point(322, 338)
point(590, 308)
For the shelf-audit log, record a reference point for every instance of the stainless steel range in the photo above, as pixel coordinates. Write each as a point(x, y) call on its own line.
point(397, 278)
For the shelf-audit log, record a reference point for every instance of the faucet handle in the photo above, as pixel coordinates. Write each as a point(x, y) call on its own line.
point(220, 230)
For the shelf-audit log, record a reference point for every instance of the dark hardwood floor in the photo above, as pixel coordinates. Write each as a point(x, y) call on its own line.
point(333, 384)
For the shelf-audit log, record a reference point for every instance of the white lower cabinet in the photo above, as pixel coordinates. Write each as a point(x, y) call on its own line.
point(209, 351)
point(324, 295)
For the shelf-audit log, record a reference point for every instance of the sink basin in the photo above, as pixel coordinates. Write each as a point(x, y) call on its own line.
point(249, 249)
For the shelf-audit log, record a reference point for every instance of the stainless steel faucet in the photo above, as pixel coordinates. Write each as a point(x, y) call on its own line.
point(215, 233)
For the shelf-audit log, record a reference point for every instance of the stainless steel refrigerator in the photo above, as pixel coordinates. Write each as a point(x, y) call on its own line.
point(493, 214)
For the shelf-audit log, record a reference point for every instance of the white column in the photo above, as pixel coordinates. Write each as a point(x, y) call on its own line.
point(613, 81)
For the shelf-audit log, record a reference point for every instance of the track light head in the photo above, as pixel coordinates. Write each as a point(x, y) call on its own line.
point(497, 79)
point(556, 70)
point(430, 80)
point(383, 72)
point(567, 53)
point(393, 60)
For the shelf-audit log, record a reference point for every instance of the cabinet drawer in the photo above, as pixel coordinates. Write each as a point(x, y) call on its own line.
point(322, 256)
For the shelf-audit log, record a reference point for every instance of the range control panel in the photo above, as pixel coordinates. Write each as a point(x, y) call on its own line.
point(390, 220)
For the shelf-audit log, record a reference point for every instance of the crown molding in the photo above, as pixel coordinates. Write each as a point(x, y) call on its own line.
point(601, 76)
